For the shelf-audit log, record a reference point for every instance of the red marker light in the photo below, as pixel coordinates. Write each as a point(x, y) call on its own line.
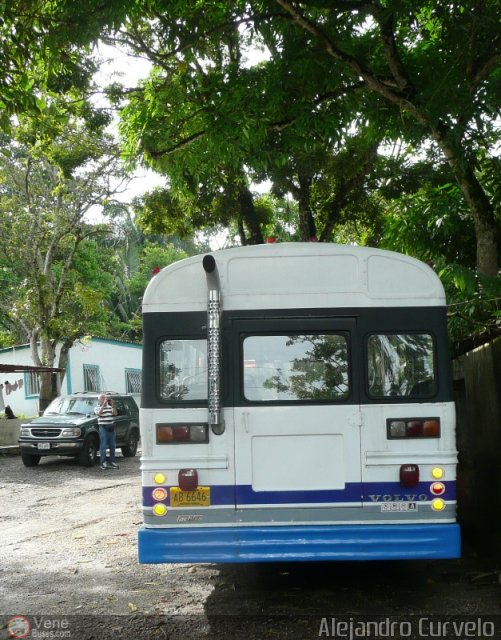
point(409, 475)
point(437, 488)
point(188, 479)
point(414, 428)
point(181, 433)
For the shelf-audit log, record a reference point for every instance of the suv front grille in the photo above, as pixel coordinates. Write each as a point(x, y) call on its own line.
point(45, 433)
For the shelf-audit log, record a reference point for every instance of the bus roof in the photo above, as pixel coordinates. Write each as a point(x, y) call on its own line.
point(297, 276)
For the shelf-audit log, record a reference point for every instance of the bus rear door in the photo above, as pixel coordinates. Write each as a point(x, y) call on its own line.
point(296, 419)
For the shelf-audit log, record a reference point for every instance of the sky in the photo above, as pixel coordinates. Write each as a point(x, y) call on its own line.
point(119, 67)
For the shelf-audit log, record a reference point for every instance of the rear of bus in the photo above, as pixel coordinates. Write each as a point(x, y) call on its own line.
point(297, 405)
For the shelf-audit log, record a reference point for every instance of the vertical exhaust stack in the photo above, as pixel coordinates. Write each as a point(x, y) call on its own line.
point(214, 304)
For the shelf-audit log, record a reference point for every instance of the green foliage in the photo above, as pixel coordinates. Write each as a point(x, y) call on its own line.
point(432, 223)
point(153, 257)
point(474, 305)
point(46, 52)
point(335, 80)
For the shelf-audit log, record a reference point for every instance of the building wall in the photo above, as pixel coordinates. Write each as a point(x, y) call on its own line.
point(111, 361)
point(15, 386)
point(112, 365)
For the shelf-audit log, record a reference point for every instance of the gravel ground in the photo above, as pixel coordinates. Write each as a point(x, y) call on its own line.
point(69, 542)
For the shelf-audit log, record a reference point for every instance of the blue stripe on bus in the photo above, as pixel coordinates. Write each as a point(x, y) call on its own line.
point(369, 492)
point(306, 543)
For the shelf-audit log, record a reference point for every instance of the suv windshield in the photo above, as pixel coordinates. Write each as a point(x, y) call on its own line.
point(71, 405)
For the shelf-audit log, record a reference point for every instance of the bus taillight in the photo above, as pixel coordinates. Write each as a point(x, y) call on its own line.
point(188, 479)
point(186, 433)
point(413, 428)
point(409, 475)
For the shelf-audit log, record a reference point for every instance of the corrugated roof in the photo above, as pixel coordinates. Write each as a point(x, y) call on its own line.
point(18, 347)
point(19, 368)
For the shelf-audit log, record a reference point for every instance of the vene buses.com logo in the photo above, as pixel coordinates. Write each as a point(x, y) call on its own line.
point(18, 627)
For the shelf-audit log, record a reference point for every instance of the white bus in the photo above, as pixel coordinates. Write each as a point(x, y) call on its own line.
point(297, 405)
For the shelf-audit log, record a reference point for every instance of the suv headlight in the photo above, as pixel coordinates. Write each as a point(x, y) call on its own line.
point(72, 433)
point(25, 432)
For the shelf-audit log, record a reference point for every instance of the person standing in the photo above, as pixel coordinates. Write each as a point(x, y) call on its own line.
point(105, 412)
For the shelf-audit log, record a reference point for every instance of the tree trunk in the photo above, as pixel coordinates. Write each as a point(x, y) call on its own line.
point(48, 386)
point(63, 355)
point(486, 229)
point(248, 213)
point(241, 231)
point(307, 227)
point(47, 390)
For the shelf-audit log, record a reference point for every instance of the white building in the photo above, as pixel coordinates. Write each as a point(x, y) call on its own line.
point(94, 364)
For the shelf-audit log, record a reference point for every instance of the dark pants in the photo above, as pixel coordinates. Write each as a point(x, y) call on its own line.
point(107, 441)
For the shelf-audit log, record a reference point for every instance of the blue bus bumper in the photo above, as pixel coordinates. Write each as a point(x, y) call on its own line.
point(299, 543)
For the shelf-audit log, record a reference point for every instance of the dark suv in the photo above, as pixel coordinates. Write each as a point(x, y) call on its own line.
point(69, 427)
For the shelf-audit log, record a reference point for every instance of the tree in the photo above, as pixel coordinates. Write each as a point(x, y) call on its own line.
point(47, 52)
point(380, 58)
point(426, 71)
point(359, 72)
point(46, 189)
point(435, 66)
point(153, 258)
point(209, 122)
point(427, 216)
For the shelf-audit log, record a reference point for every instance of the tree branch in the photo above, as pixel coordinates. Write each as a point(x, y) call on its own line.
point(483, 67)
point(375, 83)
point(186, 46)
point(177, 147)
point(345, 189)
point(385, 21)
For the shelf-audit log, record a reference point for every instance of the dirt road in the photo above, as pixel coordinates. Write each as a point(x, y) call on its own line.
point(68, 548)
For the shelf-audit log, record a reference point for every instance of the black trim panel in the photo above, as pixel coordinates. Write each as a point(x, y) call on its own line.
point(368, 320)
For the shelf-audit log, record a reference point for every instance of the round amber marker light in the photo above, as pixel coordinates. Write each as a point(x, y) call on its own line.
point(159, 509)
point(437, 473)
point(438, 504)
point(159, 494)
point(159, 478)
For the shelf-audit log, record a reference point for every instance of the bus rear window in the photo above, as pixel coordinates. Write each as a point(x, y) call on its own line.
point(183, 370)
point(295, 368)
point(401, 365)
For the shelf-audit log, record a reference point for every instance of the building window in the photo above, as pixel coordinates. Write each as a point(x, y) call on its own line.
point(32, 383)
point(133, 380)
point(91, 377)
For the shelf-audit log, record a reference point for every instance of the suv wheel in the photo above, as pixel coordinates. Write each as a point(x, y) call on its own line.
point(129, 450)
point(88, 455)
point(30, 459)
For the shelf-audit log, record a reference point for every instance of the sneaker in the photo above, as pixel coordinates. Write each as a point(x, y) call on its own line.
point(103, 466)
point(112, 465)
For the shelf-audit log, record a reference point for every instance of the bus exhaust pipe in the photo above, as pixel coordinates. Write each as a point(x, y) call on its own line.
point(216, 422)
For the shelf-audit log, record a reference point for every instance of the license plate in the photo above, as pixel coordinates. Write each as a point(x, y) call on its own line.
point(398, 506)
point(43, 445)
point(198, 498)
